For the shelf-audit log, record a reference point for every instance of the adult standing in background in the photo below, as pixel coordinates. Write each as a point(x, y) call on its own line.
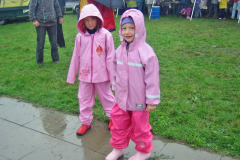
point(214, 7)
point(236, 4)
point(140, 4)
point(149, 4)
point(60, 37)
point(44, 15)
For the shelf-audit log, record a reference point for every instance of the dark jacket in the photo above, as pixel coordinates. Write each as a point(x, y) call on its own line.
point(44, 11)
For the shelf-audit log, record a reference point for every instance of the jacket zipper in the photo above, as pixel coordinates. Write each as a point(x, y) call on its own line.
point(92, 58)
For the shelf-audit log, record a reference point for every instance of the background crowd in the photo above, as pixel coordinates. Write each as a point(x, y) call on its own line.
point(220, 9)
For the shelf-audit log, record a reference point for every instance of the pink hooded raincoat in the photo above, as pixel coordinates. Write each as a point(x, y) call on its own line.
point(93, 54)
point(92, 60)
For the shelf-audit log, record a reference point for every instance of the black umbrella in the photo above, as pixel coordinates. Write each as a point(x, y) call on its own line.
point(112, 3)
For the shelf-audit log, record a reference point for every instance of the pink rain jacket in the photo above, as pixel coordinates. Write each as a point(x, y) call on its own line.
point(137, 69)
point(93, 54)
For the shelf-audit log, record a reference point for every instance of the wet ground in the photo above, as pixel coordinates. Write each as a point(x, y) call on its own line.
point(35, 133)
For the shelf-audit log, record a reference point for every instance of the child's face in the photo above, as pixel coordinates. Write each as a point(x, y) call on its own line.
point(90, 22)
point(128, 32)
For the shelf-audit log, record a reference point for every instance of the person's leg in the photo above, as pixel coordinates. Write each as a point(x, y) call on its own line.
point(142, 135)
point(199, 10)
point(215, 7)
point(86, 96)
point(139, 6)
point(210, 10)
point(60, 37)
point(41, 34)
point(238, 6)
point(234, 10)
point(105, 96)
point(221, 13)
point(52, 34)
point(120, 131)
point(149, 8)
point(188, 13)
point(196, 10)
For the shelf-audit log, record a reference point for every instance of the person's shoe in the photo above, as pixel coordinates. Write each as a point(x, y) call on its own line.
point(115, 154)
point(110, 124)
point(40, 63)
point(61, 45)
point(220, 18)
point(56, 62)
point(140, 156)
point(188, 17)
point(83, 129)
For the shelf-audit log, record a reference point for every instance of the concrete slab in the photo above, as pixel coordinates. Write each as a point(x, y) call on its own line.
point(180, 152)
point(17, 111)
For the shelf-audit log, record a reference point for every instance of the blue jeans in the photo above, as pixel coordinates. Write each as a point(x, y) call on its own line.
point(235, 6)
point(41, 34)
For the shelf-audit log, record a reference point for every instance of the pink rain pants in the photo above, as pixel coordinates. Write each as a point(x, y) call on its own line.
point(132, 125)
point(86, 96)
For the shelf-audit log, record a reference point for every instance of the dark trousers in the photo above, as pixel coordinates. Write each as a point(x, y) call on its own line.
point(41, 34)
point(222, 13)
point(213, 7)
point(60, 37)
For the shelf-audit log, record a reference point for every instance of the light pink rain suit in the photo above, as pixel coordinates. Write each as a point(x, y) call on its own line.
point(92, 59)
point(136, 86)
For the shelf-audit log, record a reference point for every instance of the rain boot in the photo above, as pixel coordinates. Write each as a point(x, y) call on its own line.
point(115, 154)
point(110, 124)
point(83, 129)
point(140, 156)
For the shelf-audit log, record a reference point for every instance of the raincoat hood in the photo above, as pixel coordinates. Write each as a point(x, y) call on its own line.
point(89, 10)
point(140, 30)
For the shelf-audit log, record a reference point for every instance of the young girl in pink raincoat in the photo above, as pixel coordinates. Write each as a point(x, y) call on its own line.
point(92, 59)
point(136, 87)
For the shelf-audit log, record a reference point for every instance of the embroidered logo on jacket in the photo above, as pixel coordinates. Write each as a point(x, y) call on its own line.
point(139, 106)
point(85, 72)
point(142, 145)
point(99, 50)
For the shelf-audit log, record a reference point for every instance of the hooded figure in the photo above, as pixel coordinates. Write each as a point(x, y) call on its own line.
point(137, 69)
point(137, 89)
point(92, 59)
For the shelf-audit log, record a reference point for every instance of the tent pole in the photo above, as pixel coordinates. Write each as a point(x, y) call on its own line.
point(193, 10)
point(117, 12)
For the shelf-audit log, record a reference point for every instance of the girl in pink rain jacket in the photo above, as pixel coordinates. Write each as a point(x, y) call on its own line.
point(92, 59)
point(136, 87)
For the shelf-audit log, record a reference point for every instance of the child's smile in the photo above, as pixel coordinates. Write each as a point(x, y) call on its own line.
point(128, 32)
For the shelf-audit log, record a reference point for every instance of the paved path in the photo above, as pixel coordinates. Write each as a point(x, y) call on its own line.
point(34, 133)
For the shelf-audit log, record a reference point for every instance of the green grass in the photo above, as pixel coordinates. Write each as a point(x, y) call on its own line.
point(199, 73)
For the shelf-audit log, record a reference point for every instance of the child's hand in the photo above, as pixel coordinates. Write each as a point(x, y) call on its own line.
point(150, 108)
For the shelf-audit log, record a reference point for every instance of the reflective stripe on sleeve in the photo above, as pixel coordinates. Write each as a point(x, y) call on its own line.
point(119, 62)
point(135, 64)
point(152, 96)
